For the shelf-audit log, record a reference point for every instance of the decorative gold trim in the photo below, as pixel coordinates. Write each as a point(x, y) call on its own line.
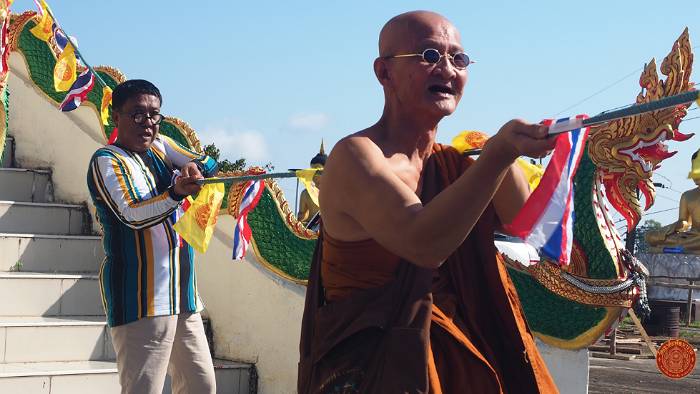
point(291, 220)
point(550, 276)
point(187, 131)
point(17, 23)
point(266, 264)
point(590, 336)
point(112, 72)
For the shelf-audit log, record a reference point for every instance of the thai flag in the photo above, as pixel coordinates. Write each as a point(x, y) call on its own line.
point(242, 232)
point(60, 37)
point(546, 220)
point(78, 91)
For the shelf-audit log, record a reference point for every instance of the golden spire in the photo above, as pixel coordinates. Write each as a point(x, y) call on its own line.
point(320, 158)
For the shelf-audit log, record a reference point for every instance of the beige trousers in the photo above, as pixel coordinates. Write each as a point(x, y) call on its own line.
point(152, 347)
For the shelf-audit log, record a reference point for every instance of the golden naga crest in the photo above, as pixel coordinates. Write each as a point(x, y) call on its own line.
point(629, 150)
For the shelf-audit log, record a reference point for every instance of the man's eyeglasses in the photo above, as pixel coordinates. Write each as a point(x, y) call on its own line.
point(432, 56)
point(140, 117)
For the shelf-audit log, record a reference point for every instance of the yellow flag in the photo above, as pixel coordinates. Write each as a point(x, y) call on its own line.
point(472, 139)
point(533, 172)
point(306, 176)
point(64, 72)
point(106, 101)
point(196, 226)
point(469, 139)
point(44, 30)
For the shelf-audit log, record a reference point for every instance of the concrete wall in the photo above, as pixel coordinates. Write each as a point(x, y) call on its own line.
point(569, 368)
point(256, 316)
point(48, 138)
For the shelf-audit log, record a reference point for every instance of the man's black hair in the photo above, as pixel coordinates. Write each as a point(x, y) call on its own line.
point(126, 90)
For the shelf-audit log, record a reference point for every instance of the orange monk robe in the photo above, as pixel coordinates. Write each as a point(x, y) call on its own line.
point(375, 323)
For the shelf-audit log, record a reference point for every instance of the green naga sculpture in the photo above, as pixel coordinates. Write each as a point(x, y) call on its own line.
point(568, 307)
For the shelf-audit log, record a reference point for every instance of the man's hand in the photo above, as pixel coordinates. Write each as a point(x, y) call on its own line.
point(185, 184)
point(190, 169)
point(519, 138)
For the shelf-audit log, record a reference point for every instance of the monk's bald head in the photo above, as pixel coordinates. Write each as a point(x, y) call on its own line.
point(402, 32)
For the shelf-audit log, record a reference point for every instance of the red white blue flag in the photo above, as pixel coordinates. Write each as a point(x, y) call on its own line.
point(242, 232)
point(546, 219)
point(78, 91)
point(60, 37)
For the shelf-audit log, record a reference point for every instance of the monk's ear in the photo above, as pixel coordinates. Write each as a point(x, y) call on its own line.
point(381, 71)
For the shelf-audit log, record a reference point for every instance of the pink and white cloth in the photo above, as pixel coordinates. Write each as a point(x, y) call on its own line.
point(546, 219)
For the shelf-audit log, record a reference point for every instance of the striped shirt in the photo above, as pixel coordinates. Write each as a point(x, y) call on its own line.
point(148, 269)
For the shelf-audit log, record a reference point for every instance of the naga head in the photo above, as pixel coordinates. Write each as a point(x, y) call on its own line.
point(629, 150)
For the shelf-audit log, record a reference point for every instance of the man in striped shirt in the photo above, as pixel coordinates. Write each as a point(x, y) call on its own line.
point(148, 280)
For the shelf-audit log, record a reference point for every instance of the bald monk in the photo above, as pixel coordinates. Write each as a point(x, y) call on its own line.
point(406, 292)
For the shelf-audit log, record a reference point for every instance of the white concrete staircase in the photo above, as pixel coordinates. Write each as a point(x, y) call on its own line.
point(53, 334)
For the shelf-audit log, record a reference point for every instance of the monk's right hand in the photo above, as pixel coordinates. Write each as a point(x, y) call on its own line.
point(518, 138)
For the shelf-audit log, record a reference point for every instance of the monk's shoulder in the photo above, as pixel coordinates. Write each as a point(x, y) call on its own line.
point(356, 150)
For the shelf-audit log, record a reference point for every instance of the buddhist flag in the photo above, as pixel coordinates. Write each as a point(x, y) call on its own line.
point(43, 30)
point(104, 107)
point(306, 176)
point(64, 71)
point(196, 226)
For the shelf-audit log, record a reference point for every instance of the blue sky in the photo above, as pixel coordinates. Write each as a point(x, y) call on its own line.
point(268, 80)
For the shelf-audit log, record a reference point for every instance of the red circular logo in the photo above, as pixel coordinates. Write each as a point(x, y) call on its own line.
point(675, 358)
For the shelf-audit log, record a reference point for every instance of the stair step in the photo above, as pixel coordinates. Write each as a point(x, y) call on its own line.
point(41, 218)
point(46, 339)
point(231, 377)
point(7, 154)
point(99, 377)
point(40, 294)
point(50, 253)
point(21, 184)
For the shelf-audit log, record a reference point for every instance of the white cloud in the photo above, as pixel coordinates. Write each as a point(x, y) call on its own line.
point(309, 121)
point(234, 144)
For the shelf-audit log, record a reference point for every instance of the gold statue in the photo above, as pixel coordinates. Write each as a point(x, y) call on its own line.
point(308, 206)
point(684, 235)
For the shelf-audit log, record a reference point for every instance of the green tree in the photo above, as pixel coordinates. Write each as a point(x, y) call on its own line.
point(225, 165)
point(639, 242)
